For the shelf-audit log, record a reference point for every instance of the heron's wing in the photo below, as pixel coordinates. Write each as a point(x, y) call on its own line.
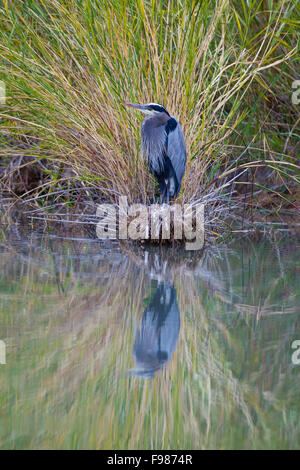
point(176, 151)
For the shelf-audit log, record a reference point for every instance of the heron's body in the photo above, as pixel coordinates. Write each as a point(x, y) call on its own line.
point(164, 144)
point(156, 339)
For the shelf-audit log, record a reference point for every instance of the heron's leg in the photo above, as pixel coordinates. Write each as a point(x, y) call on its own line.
point(163, 196)
point(162, 186)
point(168, 195)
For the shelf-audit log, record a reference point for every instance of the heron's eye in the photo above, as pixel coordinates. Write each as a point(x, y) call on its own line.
point(157, 108)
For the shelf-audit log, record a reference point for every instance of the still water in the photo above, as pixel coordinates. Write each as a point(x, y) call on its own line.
point(109, 347)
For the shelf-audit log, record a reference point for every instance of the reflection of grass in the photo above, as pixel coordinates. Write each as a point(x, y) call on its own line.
point(230, 383)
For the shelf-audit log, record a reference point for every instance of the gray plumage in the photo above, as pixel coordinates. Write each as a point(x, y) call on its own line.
point(164, 144)
point(156, 339)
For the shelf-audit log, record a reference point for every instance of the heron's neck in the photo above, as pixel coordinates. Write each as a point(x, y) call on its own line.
point(157, 120)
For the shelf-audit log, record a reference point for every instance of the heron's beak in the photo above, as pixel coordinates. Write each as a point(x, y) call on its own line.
point(141, 107)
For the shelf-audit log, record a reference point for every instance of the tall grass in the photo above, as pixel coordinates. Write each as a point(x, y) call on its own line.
point(68, 66)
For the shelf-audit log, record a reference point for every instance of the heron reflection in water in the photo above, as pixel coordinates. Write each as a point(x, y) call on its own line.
point(156, 338)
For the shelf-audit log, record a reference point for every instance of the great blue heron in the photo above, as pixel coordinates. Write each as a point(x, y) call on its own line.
point(163, 142)
point(157, 336)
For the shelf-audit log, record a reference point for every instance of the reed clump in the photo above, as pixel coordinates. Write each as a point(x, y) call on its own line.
point(224, 69)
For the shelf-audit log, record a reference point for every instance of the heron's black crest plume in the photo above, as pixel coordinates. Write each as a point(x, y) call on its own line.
point(158, 107)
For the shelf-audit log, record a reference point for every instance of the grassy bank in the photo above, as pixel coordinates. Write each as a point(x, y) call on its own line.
point(224, 69)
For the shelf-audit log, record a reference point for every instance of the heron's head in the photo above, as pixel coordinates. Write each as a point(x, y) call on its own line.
point(152, 109)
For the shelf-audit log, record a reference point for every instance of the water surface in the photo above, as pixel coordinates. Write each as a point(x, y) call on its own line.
point(111, 347)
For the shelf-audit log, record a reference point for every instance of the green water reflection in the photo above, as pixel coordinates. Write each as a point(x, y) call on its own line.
point(109, 347)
